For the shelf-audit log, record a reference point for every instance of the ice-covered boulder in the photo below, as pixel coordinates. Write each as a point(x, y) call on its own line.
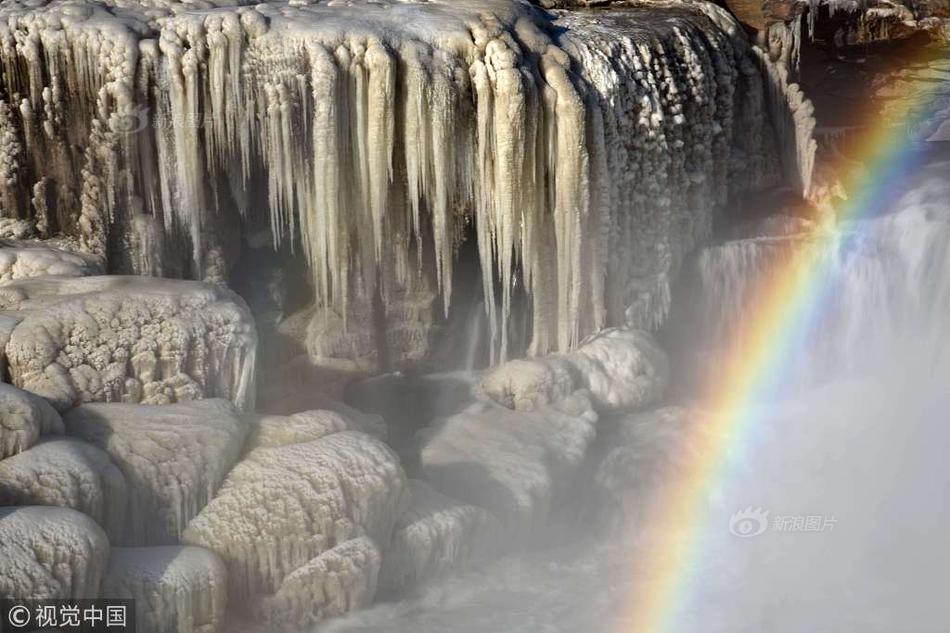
point(24, 417)
point(50, 553)
point(283, 508)
point(621, 368)
point(340, 580)
point(648, 450)
point(268, 431)
point(25, 259)
point(66, 472)
point(529, 383)
point(513, 463)
point(129, 339)
point(436, 535)
point(176, 589)
point(173, 457)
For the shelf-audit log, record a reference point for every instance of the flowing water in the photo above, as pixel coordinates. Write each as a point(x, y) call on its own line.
point(846, 473)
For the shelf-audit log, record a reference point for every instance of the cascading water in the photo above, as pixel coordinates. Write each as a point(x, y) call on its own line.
point(843, 471)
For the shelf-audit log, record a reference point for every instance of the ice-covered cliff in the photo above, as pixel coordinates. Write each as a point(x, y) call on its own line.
point(585, 153)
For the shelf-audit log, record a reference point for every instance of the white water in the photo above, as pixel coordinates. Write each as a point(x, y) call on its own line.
point(864, 451)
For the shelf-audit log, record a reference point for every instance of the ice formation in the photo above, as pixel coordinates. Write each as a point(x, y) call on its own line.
point(290, 521)
point(514, 463)
point(24, 417)
point(50, 553)
point(436, 535)
point(646, 449)
point(173, 457)
point(875, 266)
point(128, 339)
point(24, 259)
point(585, 154)
point(176, 589)
point(270, 431)
point(337, 581)
point(621, 368)
point(67, 473)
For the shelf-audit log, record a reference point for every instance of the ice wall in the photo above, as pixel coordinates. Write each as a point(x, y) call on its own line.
point(586, 154)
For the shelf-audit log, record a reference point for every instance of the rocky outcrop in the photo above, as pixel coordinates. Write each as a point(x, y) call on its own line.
point(128, 339)
point(176, 589)
point(24, 259)
point(50, 553)
point(269, 431)
point(67, 473)
point(438, 534)
point(173, 457)
point(648, 451)
point(622, 369)
point(339, 580)
point(290, 521)
point(514, 463)
point(24, 417)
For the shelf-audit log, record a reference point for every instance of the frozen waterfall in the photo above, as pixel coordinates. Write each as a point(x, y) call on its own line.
point(586, 152)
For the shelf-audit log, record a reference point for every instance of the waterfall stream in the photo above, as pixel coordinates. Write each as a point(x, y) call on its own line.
point(847, 538)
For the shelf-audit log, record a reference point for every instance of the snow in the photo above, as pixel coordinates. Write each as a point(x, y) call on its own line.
point(67, 473)
point(620, 368)
point(513, 463)
point(295, 524)
point(128, 339)
point(50, 553)
point(176, 589)
point(437, 535)
point(174, 457)
point(24, 417)
point(22, 259)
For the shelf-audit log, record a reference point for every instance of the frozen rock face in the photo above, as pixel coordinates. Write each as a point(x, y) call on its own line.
point(587, 152)
point(21, 260)
point(50, 553)
point(129, 339)
point(514, 463)
point(24, 417)
point(173, 457)
point(67, 473)
point(622, 369)
point(300, 526)
point(340, 580)
point(436, 535)
point(270, 431)
point(647, 448)
point(176, 589)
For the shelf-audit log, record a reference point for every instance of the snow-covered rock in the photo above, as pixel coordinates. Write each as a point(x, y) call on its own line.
point(526, 384)
point(339, 580)
point(129, 339)
point(436, 535)
point(268, 431)
point(514, 463)
point(621, 368)
point(176, 589)
point(67, 473)
point(284, 513)
point(649, 450)
point(25, 259)
point(50, 553)
point(173, 457)
point(24, 417)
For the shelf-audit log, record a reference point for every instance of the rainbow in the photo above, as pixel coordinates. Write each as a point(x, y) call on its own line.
point(786, 304)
